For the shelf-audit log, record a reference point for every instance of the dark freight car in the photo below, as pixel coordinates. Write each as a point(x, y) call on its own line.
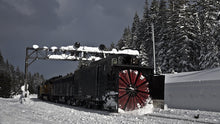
point(62, 88)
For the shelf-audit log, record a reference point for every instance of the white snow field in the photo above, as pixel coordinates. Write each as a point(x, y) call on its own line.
point(194, 90)
point(35, 111)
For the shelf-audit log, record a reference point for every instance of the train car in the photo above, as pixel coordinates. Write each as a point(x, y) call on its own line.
point(117, 81)
point(45, 89)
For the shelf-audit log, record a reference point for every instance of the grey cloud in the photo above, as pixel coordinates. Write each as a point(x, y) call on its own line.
point(22, 6)
point(101, 20)
point(17, 20)
point(61, 22)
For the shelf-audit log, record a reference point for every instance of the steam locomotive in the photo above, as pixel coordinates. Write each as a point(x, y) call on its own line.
point(117, 81)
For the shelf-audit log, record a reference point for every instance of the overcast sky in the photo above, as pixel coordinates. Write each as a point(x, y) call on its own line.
point(58, 23)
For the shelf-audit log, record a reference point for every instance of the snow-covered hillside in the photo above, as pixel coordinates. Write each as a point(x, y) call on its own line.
point(35, 111)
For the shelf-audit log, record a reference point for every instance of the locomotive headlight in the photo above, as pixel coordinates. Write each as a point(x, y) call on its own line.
point(114, 61)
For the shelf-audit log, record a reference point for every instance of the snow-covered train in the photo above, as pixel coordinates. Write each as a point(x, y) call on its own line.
point(117, 81)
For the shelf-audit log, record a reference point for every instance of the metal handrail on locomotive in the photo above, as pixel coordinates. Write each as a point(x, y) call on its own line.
point(117, 81)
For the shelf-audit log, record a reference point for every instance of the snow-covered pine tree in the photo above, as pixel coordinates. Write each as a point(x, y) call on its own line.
point(144, 54)
point(127, 37)
point(37, 79)
point(120, 44)
point(5, 79)
point(145, 37)
point(135, 32)
point(19, 80)
point(13, 79)
point(30, 83)
point(5, 85)
point(112, 46)
point(207, 14)
point(217, 31)
point(2, 63)
point(126, 40)
point(185, 42)
point(154, 10)
point(161, 36)
point(168, 60)
point(186, 33)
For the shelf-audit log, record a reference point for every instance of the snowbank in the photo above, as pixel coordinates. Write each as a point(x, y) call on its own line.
point(194, 90)
point(205, 75)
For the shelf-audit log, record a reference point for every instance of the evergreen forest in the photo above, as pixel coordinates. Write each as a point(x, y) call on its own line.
point(186, 33)
point(11, 79)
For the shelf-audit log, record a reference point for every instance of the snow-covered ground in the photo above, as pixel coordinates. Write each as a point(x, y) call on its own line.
point(35, 111)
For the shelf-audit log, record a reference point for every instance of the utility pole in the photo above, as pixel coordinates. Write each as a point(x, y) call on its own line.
point(26, 73)
point(153, 40)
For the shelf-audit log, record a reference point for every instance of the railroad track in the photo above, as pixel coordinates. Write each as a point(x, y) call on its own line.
point(182, 118)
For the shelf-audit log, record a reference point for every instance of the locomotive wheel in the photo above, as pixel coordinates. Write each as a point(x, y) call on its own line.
point(133, 90)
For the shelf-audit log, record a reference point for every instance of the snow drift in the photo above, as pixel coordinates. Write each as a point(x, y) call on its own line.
point(194, 90)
